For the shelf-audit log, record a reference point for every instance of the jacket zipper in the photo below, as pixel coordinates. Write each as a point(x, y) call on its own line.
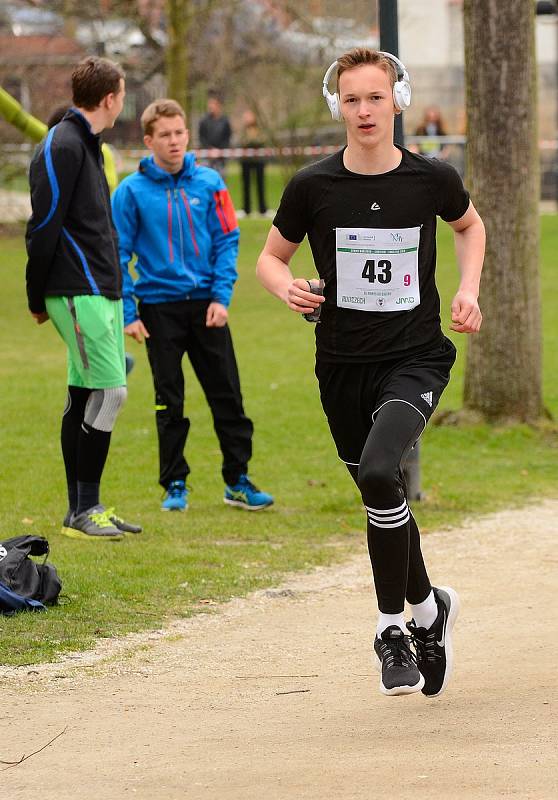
point(169, 225)
point(182, 240)
point(108, 213)
point(190, 221)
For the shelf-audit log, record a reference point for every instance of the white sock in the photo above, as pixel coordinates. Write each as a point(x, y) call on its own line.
point(386, 620)
point(425, 613)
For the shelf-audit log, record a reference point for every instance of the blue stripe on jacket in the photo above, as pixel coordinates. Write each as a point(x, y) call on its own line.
point(52, 180)
point(84, 263)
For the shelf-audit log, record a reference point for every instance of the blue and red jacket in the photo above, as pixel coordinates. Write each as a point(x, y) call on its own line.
point(184, 233)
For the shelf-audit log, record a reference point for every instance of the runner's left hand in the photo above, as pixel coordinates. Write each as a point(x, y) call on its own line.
point(466, 315)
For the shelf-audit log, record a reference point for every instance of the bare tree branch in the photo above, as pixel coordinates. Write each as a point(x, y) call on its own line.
point(23, 758)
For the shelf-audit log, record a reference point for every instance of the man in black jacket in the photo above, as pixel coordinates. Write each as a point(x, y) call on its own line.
point(215, 131)
point(73, 279)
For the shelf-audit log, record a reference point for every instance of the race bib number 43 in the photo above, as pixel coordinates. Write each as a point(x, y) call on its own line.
point(377, 268)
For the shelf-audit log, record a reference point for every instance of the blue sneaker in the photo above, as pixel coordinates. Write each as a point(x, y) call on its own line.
point(176, 497)
point(245, 495)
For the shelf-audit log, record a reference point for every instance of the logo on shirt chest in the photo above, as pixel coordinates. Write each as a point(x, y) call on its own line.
point(363, 236)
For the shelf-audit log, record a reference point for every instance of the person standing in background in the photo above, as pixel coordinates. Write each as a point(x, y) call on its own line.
point(215, 131)
point(178, 218)
point(73, 279)
point(432, 125)
point(251, 137)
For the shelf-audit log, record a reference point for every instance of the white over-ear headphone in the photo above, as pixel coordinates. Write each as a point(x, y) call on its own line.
point(401, 87)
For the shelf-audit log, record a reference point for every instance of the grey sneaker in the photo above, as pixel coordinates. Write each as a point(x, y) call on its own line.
point(397, 663)
point(93, 524)
point(121, 524)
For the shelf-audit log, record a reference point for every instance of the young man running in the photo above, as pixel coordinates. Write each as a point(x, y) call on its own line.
point(382, 362)
point(73, 279)
point(178, 218)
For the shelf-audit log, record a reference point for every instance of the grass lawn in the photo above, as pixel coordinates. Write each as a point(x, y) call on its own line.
point(185, 562)
point(274, 185)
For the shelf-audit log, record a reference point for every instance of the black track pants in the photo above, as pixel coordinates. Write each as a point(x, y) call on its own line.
point(257, 168)
point(175, 329)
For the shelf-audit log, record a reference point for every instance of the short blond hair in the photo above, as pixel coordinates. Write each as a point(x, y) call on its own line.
point(363, 55)
point(164, 107)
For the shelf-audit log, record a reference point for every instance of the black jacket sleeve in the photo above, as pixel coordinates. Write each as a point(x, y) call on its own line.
point(52, 176)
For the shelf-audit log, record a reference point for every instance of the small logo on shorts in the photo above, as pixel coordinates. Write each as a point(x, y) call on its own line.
point(3, 552)
point(375, 207)
point(427, 397)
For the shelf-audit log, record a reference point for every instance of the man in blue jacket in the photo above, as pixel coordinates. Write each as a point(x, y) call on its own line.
point(178, 218)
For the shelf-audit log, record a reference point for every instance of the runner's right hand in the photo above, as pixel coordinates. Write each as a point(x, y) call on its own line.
point(300, 298)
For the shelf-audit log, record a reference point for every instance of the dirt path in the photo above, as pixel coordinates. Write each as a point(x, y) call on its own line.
point(275, 697)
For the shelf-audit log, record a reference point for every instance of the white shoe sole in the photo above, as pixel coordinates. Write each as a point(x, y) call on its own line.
point(452, 616)
point(398, 690)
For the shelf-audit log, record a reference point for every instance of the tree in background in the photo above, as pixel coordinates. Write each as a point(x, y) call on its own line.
point(179, 14)
point(266, 55)
point(503, 379)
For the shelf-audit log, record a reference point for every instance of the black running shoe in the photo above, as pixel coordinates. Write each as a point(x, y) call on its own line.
point(434, 646)
point(397, 662)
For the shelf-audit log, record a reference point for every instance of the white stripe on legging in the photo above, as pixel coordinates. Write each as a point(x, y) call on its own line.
point(390, 524)
point(387, 510)
point(393, 518)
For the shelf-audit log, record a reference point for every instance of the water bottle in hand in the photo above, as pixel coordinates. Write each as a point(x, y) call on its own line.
point(314, 316)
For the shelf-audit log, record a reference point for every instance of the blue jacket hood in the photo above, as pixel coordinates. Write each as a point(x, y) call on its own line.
point(184, 234)
point(149, 168)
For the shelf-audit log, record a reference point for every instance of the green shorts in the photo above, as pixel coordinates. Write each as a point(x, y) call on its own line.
point(92, 327)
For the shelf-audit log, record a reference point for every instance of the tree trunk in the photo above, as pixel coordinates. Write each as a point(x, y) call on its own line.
point(176, 56)
point(503, 377)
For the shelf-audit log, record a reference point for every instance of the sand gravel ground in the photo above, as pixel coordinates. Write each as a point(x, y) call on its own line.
point(275, 696)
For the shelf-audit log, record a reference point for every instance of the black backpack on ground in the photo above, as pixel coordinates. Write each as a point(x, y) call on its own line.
point(23, 576)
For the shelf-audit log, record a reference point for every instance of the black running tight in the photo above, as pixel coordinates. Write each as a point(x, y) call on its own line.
point(393, 535)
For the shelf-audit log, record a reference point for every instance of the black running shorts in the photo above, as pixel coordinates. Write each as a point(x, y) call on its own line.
point(353, 394)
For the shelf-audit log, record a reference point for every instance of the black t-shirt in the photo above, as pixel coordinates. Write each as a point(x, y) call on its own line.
point(326, 196)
